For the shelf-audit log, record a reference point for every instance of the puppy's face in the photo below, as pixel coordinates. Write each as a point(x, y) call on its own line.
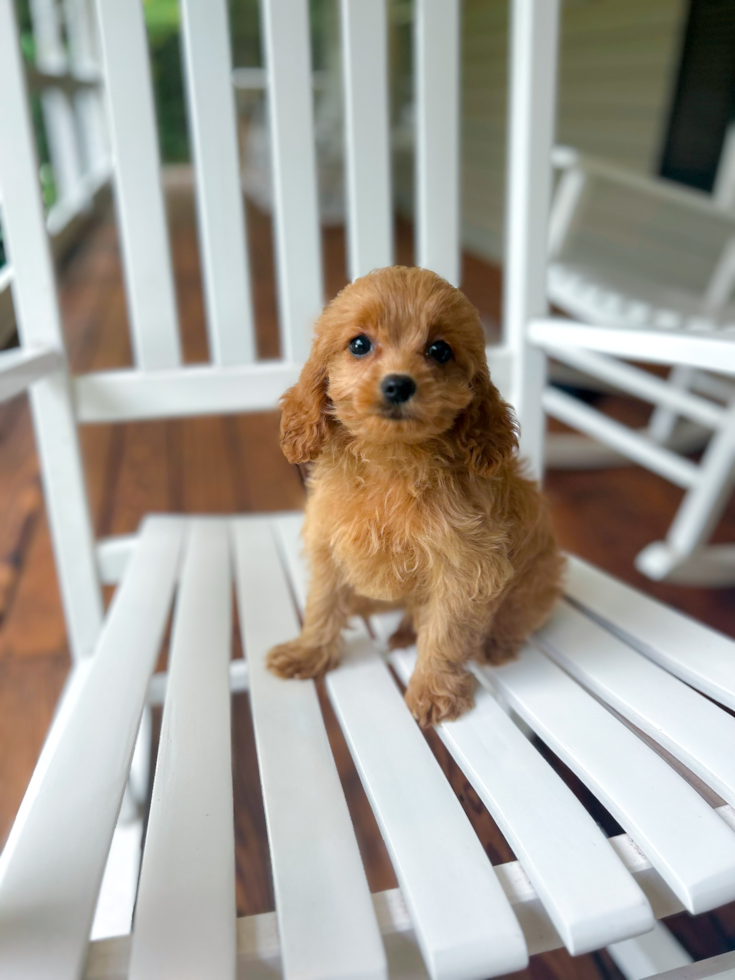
point(399, 357)
point(403, 348)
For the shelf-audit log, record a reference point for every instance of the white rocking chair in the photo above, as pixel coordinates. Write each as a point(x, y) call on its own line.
point(610, 661)
point(635, 253)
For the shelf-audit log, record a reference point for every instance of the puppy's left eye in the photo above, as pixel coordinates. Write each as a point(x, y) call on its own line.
point(360, 346)
point(439, 351)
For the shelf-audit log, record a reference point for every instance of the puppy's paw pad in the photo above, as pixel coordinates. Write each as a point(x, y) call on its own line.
point(436, 698)
point(296, 659)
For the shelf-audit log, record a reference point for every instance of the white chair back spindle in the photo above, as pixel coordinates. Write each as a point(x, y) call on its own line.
point(84, 59)
point(213, 130)
point(39, 326)
point(295, 200)
point(531, 117)
point(58, 112)
point(140, 207)
point(437, 53)
point(367, 135)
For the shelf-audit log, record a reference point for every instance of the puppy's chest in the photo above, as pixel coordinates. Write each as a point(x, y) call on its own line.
point(385, 539)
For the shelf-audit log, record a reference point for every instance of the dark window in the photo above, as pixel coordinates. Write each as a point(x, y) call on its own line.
point(704, 97)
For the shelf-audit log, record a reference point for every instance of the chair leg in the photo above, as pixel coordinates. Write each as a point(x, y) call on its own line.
point(663, 420)
point(697, 517)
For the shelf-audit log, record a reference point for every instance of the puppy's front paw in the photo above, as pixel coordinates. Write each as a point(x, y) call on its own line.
point(298, 659)
point(435, 697)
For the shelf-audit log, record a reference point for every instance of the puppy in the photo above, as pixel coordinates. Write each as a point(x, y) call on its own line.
point(416, 494)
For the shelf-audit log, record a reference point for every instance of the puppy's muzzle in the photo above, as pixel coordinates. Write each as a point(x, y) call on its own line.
point(398, 388)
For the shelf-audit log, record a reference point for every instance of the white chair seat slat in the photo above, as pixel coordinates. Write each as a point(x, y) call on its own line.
point(461, 916)
point(298, 240)
point(365, 58)
point(326, 919)
point(185, 911)
point(212, 120)
point(683, 837)
point(437, 43)
point(589, 895)
point(144, 234)
point(687, 725)
point(698, 655)
point(52, 865)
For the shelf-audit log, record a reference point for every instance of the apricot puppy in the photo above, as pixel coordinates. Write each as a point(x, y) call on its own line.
point(416, 493)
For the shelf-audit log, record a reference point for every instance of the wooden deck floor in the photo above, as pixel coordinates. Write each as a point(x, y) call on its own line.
point(226, 465)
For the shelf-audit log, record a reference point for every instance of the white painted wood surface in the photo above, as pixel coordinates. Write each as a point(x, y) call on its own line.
point(688, 843)
point(297, 233)
point(185, 912)
point(461, 917)
point(113, 555)
point(258, 951)
point(710, 567)
point(589, 896)
point(701, 509)
point(532, 113)
point(576, 413)
point(6, 275)
point(700, 656)
point(52, 864)
point(326, 921)
point(113, 913)
point(436, 46)
point(109, 396)
point(221, 218)
point(140, 208)
point(643, 384)
point(717, 966)
point(21, 367)
point(367, 132)
point(56, 106)
point(82, 38)
point(689, 726)
point(39, 326)
point(649, 955)
point(126, 395)
point(711, 350)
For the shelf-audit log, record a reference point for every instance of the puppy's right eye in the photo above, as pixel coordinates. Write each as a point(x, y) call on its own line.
point(360, 346)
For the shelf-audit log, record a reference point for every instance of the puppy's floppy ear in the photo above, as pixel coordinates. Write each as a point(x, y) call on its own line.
point(305, 413)
point(486, 433)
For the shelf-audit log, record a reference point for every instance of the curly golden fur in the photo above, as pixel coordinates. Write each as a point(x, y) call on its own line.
point(423, 504)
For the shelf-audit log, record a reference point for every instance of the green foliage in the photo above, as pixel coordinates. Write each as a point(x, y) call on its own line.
point(162, 19)
point(161, 16)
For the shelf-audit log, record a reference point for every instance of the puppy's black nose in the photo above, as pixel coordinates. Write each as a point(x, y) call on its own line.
point(398, 388)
